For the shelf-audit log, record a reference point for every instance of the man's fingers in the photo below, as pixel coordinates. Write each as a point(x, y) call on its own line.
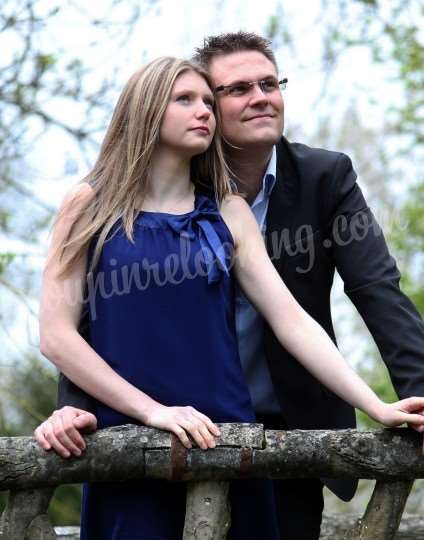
point(53, 441)
point(72, 432)
point(40, 438)
point(62, 436)
point(85, 421)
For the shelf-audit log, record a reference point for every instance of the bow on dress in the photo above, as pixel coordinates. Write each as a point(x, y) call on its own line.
point(212, 248)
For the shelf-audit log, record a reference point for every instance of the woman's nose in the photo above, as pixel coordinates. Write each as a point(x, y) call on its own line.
point(203, 111)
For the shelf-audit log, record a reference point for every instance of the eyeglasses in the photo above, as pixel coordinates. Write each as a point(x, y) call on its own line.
point(241, 88)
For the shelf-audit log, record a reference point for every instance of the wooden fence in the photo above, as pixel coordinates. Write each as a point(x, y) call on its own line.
point(391, 456)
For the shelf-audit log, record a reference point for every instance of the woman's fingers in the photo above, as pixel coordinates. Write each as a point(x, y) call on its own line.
point(213, 428)
point(415, 419)
point(185, 422)
point(182, 435)
point(194, 433)
point(412, 404)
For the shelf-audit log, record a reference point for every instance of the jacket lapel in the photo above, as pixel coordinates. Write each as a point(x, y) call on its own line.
point(282, 206)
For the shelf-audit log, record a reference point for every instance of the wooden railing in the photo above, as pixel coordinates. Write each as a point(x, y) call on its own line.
point(391, 456)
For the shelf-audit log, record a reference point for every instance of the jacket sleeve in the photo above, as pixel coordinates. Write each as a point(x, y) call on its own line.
point(68, 392)
point(371, 281)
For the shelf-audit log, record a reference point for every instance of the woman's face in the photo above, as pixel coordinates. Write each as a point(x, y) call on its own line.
point(189, 122)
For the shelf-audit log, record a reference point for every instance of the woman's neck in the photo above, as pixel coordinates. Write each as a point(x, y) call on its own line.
point(170, 186)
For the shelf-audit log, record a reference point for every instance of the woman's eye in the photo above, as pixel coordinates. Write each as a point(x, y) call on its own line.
point(184, 98)
point(209, 104)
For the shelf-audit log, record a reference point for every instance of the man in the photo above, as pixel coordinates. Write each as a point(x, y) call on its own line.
point(315, 220)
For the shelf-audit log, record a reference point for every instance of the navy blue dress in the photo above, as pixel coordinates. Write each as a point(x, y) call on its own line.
point(161, 315)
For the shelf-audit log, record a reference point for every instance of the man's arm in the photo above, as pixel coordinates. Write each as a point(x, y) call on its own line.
point(371, 281)
point(69, 394)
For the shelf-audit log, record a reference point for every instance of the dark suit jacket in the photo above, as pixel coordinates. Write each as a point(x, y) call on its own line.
point(318, 221)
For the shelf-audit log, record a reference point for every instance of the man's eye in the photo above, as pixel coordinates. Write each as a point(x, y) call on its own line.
point(238, 89)
point(269, 85)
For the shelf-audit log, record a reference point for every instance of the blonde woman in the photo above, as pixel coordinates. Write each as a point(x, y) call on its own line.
point(147, 246)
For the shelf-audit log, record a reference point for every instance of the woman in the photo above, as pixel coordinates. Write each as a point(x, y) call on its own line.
point(161, 235)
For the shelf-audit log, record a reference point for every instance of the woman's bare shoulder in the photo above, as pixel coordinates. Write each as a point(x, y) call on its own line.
point(79, 192)
point(76, 198)
point(233, 204)
point(237, 215)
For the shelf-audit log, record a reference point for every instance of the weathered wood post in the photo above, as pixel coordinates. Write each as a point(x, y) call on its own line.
point(383, 513)
point(25, 516)
point(207, 511)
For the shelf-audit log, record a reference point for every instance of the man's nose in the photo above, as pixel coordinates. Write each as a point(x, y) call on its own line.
point(257, 95)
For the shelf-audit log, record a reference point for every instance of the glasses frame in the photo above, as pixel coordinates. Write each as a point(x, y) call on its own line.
point(282, 83)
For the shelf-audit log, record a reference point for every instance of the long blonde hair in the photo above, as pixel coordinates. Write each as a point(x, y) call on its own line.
point(120, 176)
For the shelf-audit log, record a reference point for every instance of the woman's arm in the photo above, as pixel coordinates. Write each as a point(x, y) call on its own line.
point(60, 342)
point(295, 329)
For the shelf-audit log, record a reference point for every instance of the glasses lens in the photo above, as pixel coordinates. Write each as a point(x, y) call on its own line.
point(268, 85)
point(238, 89)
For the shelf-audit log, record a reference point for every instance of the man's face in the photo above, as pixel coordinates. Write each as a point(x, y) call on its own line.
point(257, 117)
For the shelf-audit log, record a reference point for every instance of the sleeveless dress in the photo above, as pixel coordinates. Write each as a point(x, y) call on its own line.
point(161, 314)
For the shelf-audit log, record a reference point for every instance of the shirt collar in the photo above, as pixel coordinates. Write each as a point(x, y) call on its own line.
point(268, 180)
point(270, 175)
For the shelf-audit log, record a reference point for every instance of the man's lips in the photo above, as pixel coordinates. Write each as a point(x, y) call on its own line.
point(259, 116)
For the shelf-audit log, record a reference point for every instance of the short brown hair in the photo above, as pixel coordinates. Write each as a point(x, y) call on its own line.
point(230, 43)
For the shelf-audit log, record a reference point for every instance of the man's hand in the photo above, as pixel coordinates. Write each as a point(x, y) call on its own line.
point(61, 431)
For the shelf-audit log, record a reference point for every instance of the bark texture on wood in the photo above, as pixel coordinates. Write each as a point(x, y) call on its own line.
point(336, 526)
point(134, 452)
point(384, 511)
point(207, 511)
point(25, 516)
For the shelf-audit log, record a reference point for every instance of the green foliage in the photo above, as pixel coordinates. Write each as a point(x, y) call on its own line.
point(378, 378)
point(408, 238)
point(5, 260)
point(29, 389)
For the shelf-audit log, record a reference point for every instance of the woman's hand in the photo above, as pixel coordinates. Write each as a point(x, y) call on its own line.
point(407, 410)
point(183, 420)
